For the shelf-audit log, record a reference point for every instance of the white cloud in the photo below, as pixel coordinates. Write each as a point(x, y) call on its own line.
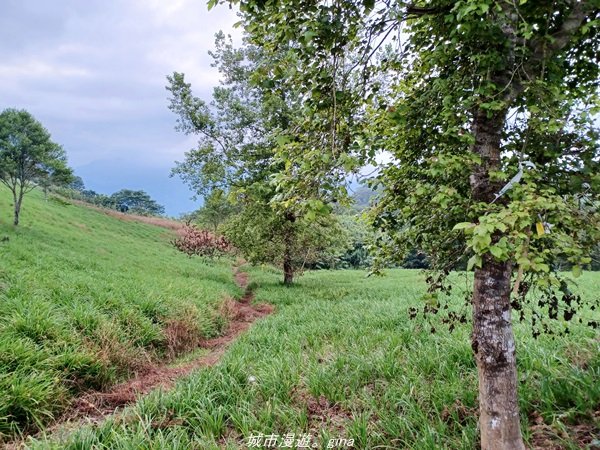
point(94, 72)
point(39, 69)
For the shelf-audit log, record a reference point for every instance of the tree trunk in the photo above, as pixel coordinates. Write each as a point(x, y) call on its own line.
point(494, 347)
point(492, 339)
point(288, 271)
point(17, 199)
point(288, 239)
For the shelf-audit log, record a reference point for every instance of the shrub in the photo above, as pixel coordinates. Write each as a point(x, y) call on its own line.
point(196, 242)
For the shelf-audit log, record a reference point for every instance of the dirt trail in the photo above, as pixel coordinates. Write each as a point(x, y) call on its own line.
point(93, 407)
point(241, 313)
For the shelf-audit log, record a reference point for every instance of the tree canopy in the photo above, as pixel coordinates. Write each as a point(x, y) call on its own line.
point(215, 211)
point(238, 134)
point(28, 156)
point(136, 202)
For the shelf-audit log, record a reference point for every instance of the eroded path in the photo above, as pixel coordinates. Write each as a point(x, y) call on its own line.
point(94, 407)
point(242, 313)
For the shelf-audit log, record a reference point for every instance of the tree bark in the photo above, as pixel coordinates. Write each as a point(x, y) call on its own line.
point(288, 240)
point(288, 267)
point(494, 347)
point(288, 271)
point(17, 199)
point(492, 339)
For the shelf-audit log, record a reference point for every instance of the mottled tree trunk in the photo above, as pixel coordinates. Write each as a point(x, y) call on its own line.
point(17, 200)
point(288, 272)
point(492, 339)
point(17, 212)
point(494, 347)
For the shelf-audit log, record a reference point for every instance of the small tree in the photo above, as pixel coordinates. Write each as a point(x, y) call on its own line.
point(56, 174)
point(28, 156)
point(293, 243)
point(216, 210)
point(235, 153)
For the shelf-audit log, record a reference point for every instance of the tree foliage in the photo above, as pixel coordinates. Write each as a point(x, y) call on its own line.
point(238, 134)
point(77, 184)
point(136, 202)
point(215, 211)
point(488, 114)
point(265, 236)
point(125, 200)
point(194, 241)
point(28, 156)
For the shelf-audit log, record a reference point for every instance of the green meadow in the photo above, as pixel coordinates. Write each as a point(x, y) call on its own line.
point(86, 299)
point(340, 359)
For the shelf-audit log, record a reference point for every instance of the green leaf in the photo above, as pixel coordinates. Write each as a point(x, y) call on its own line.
point(474, 260)
point(309, 35)
point(576, 271)
point(501, 227)
point(496, 251)
point(282, 139)
point(369, 4)
point(463, 225)
point(524, 263)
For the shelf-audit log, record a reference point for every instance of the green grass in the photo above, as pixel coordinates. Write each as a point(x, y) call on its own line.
point(341, 359)
point(85, 300)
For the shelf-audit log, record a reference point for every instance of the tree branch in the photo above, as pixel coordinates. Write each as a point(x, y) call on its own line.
point(542, 49)
point(414, 10)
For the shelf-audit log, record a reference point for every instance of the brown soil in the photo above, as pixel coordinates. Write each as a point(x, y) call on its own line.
point(242, 314)
point(545, 437)
point(322, 413)
point(95, 406)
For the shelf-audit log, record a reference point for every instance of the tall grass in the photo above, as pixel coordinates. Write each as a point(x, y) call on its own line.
point(86, 299)
point(341, 359)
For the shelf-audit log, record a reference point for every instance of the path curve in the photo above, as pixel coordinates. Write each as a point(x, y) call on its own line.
point(94, 407)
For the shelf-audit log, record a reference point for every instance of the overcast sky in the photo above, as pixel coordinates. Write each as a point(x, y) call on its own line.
point(93, 73)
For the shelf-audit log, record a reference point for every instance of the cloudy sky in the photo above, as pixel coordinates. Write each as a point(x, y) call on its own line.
point(93, 72)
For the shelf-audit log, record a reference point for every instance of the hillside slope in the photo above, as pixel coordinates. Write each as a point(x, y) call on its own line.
point(86, 299)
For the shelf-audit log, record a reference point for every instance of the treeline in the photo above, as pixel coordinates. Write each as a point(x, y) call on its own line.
point(29, 158)
point(125, 200)
point(349, 250)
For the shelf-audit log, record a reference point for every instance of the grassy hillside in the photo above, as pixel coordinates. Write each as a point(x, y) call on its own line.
point(341, 359)
point(85, 299)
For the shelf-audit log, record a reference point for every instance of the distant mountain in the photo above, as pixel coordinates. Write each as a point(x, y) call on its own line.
point(362, 197)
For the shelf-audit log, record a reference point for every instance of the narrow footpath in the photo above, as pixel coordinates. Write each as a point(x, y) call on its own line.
point(94, 407)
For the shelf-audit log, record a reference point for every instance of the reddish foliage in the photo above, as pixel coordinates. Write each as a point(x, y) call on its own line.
point(194, 241)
